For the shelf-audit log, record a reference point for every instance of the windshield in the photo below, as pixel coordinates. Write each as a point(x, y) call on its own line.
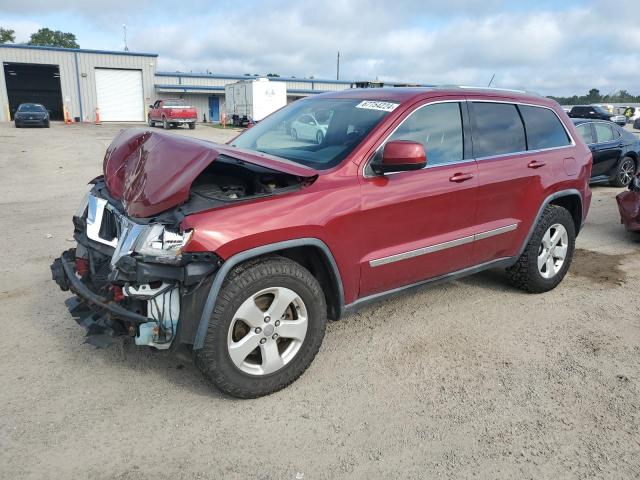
point(601, 110)
point(30, 107)
point(316, 132)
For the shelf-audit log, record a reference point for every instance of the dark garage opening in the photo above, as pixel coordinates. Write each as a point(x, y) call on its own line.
point(30, 83)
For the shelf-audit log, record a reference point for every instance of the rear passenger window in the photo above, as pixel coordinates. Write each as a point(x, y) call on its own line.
point(584, 129)
point(604, 132)
point(543, 128)
point(497, 129)
point(439, 128)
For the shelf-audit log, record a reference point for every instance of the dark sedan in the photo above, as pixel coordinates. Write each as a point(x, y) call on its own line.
point(615, 150)
point(636, 124)
point(31, 114)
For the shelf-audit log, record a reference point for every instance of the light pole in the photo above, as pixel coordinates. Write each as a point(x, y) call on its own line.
point(124, 30)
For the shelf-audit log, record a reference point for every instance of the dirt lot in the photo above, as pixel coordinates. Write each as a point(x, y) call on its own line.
point(466, 380)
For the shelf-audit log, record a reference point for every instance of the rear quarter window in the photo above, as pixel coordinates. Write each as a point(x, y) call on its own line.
point(543, 128)
point(497, 129)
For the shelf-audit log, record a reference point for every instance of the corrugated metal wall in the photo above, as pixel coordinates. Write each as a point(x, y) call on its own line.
point(77, 75)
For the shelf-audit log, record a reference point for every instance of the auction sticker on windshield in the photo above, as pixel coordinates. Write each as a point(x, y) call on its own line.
point(375, 105)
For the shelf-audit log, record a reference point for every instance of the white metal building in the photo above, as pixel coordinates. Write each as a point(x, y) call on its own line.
point(121, 84)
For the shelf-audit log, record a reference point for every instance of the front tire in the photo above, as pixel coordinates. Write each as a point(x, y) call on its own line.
point(624, 173)
point(319, 137)
point(165, 124)
point(150, 122)
point(294, 134)
point(192, 126)
point(265, 330)
point(547, 257)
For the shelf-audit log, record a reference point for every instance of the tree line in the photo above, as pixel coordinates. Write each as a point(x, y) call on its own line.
point(594, 96)
point(44, 37)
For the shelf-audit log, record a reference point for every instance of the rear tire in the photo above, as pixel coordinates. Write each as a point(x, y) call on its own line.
point(528, 274)
point(250, 374)
point(624, 173)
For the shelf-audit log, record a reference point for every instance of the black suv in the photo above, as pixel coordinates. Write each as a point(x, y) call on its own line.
point(595, 112)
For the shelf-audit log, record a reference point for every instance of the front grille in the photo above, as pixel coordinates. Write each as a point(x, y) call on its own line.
point(109, 227)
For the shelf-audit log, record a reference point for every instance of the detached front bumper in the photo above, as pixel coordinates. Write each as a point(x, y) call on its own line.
point(120, 292)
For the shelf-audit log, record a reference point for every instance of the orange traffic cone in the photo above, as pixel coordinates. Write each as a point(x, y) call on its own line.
point(97, 116)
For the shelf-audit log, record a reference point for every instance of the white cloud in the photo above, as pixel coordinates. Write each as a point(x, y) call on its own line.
point(546, 46)
point(23, 28)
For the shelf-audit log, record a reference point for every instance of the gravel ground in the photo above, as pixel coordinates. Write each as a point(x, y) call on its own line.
point(470, 379)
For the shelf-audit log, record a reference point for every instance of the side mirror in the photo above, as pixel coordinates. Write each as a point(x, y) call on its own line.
point(151, 106)
point(400, 156)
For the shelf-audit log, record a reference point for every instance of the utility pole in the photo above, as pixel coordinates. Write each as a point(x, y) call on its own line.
point(338, 67)
point(491, 81)
point(124, 29)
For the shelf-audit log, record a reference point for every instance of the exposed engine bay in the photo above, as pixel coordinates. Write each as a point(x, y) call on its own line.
point(229, 179)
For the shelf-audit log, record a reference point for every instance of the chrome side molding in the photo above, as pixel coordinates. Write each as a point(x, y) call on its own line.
point(442, 246)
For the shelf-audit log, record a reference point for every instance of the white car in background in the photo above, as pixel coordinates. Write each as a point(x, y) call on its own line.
point(307, 127)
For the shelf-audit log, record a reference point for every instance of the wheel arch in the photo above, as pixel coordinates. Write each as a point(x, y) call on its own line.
point(312, 253)
point(569, 199)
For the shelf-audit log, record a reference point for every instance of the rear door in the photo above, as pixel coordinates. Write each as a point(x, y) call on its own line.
point(607, 149)
point(515, 167)
point(419, 224)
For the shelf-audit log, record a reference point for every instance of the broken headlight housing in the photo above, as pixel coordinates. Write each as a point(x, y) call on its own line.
point(160, 241)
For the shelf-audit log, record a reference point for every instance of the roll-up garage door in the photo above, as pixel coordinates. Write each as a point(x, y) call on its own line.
point(120, 97)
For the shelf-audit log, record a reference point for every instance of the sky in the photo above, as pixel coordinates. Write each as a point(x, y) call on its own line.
point(551, 47)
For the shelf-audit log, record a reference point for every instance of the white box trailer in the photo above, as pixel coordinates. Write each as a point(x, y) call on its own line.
point(253, 100)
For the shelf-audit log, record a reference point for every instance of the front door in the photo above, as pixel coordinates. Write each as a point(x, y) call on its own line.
point(420, 224)
point(214, 108)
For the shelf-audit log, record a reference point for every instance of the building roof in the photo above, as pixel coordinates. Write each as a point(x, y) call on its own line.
point(79, 50)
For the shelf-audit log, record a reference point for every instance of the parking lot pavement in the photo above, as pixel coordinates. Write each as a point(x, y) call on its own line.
point(467, 379)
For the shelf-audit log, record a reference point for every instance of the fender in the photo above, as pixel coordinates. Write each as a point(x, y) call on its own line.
point(238, 258)
point(562, 193)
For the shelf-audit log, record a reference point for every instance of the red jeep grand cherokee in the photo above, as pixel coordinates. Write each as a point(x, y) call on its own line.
point(240, 252)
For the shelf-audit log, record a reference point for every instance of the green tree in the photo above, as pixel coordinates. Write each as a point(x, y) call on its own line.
point(50, 38)
point(594, 96)
point(272, 75)
point(7, 35)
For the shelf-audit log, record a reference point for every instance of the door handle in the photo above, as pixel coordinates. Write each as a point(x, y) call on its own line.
point(461, 177)
point(536, 164)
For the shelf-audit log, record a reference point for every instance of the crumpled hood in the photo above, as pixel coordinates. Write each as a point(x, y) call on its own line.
point(150, 172)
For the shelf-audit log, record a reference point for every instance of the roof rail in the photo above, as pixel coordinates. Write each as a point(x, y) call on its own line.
point(497, 89)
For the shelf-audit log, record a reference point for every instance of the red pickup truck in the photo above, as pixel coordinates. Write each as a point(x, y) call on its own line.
point(171, 113)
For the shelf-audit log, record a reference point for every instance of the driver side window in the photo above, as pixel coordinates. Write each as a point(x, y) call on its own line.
point(439, 128)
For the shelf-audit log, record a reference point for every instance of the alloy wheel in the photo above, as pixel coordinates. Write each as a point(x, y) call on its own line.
point(553, 251)
point(267, 331)
point(627, 171)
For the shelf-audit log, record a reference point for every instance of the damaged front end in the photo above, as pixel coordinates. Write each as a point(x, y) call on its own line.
point(130, 270)
point(130, 278)
point(629, 206)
